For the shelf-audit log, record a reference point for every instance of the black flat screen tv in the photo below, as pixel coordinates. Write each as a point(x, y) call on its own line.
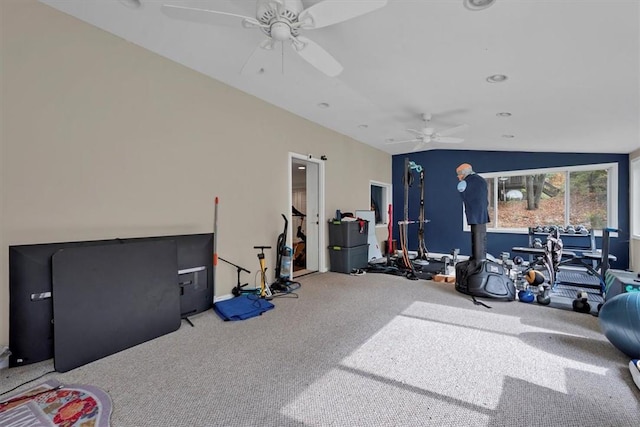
point(31, 329)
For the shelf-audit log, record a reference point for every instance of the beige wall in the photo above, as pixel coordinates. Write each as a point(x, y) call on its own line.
point(634, 246)
point(102, 139)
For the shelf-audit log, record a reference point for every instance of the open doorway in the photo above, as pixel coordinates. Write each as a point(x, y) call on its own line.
point(305, 233)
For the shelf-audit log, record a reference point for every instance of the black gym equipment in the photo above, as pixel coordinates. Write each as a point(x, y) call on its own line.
point(581, 304)
point(484, 278)
point(300, 248)
point(479, 276)
point(568, 269)
point(419, 267)
point(405, 262)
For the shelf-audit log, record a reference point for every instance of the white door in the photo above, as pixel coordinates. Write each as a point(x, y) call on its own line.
point(306, 188)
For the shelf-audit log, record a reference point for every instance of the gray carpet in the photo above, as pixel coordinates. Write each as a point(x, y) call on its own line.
point(371, 350)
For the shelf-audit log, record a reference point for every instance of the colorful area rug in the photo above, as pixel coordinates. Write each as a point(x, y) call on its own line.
point(54, 404)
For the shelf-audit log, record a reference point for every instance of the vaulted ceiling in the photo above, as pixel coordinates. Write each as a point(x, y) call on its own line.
point(572, 67)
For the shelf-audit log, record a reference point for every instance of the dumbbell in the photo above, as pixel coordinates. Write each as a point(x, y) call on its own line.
point(537, 243)
point(581, 229)
point(581, 304)
point(570, 229)
point(446, 260)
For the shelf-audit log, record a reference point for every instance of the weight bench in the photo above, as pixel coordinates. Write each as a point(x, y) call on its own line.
point(584, 259)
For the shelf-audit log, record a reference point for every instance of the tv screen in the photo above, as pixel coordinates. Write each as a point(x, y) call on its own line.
point(195, 273)
point(30, 289)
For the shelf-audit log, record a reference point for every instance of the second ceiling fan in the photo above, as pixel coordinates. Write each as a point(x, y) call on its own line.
point(429, 134)
point(283, 21)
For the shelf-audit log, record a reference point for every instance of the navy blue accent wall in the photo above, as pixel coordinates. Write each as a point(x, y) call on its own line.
point(443, 205)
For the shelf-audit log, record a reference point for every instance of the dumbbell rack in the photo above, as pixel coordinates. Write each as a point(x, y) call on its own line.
point(573, 238)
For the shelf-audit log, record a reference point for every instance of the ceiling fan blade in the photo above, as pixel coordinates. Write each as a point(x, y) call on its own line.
point(447, 139)
point(329, 12)
point(211, 17)
point(316, 56)
point(415, 132)
point(404, 141)
point(422, 143)
point(256, 61)
point(452, 130)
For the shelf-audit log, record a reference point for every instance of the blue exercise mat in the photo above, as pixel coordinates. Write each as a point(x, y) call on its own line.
point(242, 307)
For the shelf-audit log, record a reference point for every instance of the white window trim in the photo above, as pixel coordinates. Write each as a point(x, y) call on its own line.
point(387, 193)
point(634, 197)
point(612, 192)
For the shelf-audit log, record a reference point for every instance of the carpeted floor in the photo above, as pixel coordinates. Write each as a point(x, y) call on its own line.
point(371, 350)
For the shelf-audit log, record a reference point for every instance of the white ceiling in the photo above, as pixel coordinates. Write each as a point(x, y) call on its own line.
point(573, 68)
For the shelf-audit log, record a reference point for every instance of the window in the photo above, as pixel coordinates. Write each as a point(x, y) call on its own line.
point(380, 199)
point(635, 198)
point(578, 195)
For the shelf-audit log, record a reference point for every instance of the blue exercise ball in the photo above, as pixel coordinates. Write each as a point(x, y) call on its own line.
point(620, 322)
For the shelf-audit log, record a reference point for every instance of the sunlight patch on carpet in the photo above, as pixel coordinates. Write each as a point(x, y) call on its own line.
point(461, 362)
point(374, 403)
point(446, 364)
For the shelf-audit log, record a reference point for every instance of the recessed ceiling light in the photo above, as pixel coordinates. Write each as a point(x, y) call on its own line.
point(507, 136)
point(301, 168)
point(363, 126)
point(478, 4)
point(504, 114)
point(323, 105)
point(134, 4)
point(497, 78)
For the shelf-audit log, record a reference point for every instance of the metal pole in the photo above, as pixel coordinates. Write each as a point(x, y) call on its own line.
point(215, 246)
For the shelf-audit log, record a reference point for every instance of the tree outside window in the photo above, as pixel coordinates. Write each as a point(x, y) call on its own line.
point(573, 195)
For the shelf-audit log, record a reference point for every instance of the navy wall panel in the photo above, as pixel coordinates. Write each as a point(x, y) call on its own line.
point(443, 205)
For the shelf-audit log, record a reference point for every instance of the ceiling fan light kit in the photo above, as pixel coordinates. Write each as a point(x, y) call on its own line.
point(134, 4)
point(478, 4)
point(497, 78)
point(284, 20)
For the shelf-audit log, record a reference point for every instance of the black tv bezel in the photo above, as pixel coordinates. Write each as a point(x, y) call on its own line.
point(30, 286)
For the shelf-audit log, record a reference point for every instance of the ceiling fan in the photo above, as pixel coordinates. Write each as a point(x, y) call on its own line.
point(429, 134)
point(284, 21)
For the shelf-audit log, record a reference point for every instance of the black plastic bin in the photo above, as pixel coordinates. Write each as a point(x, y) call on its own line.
point(345, 260)
point(348, 234)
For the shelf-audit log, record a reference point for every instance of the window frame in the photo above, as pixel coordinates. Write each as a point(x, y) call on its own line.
point(386, 200)
point(634, 197)
point(612, 193)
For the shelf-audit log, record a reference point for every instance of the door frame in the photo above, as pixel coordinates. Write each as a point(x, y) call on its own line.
point(318, 189)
